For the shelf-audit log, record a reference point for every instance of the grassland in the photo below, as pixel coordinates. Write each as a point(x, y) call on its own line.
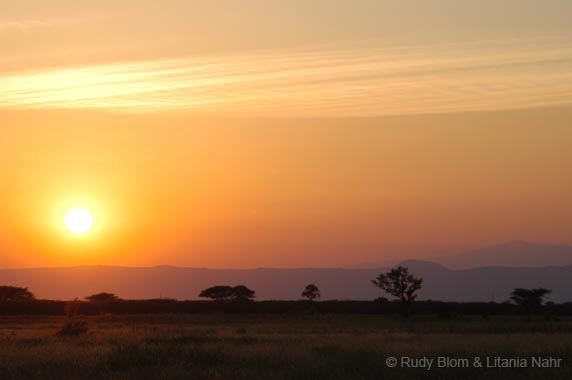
point(292, 346)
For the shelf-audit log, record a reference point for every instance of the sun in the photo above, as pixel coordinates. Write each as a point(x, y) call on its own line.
point(79, 220)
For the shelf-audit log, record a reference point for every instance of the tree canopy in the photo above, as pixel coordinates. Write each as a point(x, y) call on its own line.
point(401, 284)
point(102, 297)
point(242, 293)
point(228, 293)
point(529, 299)
point(311, 292)
point(14, 293)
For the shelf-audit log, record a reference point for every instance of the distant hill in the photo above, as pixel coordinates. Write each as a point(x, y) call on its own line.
point(512, 254)
point(440, 283)
point(490, 283)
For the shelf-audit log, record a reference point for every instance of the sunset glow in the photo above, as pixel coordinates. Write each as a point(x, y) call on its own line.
point(79, 220)
point(256, 134)
point(285, 189)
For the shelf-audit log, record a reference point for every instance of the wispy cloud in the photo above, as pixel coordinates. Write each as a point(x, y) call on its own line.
point(486, 75)
point(32, 24)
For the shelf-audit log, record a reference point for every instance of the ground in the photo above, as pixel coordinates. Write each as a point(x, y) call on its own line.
point(290, 346)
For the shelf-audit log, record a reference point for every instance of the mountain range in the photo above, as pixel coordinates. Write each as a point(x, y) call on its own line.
point(493, 278)
point(511, 254)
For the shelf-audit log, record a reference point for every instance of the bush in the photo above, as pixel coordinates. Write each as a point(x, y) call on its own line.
point(73, 328)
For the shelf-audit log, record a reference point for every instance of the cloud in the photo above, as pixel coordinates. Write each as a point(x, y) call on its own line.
point(320, 82)
point(32, 24)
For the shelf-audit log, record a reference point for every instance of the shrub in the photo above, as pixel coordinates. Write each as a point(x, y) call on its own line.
point(72, 327)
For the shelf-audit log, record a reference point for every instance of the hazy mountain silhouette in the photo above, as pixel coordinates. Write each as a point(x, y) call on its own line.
point(490, 283)
point(440, 283)
point(512, 254)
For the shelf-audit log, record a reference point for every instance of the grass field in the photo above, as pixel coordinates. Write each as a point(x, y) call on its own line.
point(296, 346)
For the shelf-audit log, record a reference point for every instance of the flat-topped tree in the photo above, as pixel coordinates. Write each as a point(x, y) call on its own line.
point(102, 298)
point(223, 293)
point(218, 293)
point(242, 293)
point(529, 299)
point(14, 293)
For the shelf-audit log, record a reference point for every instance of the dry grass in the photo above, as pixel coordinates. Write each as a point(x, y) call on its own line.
point(271, 347)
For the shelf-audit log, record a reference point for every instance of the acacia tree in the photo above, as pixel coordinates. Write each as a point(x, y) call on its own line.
point(242, 293)
point(102, 300)
point(223, 293)
point(14, 293)
point(529, 299)
point(311, 292)
point(102, 297)
point(218, 293)
point(401, 284)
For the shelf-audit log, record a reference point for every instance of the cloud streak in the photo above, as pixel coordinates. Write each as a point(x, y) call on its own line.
point(322, 82)
point(33, 24)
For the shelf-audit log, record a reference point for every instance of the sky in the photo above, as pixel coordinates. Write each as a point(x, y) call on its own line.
point(242, 134)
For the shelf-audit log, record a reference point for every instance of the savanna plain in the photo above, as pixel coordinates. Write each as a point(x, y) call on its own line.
point(282, 346)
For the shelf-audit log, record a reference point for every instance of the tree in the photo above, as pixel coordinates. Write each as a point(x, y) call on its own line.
point(242, 293)
point(311, 292)
point(13, 293)
point(102, 298)
point(401, 284)
point(223, 293)
point(529, 299)
point(218, 293)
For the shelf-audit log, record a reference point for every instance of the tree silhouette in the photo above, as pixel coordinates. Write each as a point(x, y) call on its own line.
point(102, 298)
point(529, 299)
point(223, 293)
point(242, 293)
point(401, 284)
point(13, 293)
point(311, 292)
point(218, 293)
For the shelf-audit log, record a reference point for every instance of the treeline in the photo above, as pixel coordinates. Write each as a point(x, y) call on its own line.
point(397, 282)
point(444, 310)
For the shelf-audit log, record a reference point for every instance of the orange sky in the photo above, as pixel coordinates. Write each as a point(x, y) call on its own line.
point(255, 136)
